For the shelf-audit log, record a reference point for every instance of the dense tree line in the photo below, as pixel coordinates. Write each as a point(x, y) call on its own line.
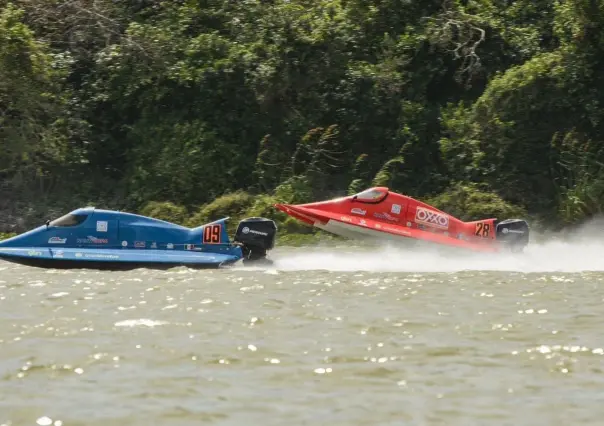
point(480, 106)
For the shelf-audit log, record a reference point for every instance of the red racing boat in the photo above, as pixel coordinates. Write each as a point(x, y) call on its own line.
point(380, 213)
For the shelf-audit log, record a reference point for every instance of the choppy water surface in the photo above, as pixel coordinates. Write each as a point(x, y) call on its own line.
point(324, 337)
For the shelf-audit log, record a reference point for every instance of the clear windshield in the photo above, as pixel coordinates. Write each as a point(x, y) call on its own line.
point(68, 220)
point(370, 195)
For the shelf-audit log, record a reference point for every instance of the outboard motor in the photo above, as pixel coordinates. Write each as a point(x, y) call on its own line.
point(256, 236)
point(514, 233)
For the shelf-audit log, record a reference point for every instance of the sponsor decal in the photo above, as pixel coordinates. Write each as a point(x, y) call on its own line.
point(93, 240)
point(358, 211)
point(170, 246)
point(363, 222)
point(102, 226)
point(431, 218)
point(189, 246)
point(34, 253)
point(57, 240)
point(104, 256)
point(98, 256)
point(345, 219)
point(513, 231)
point(140, 244)
point(153, 245)
point(124, 243)
point(409, 224)
point(378, 226)
point(385, 216)
point(247, 230)
point(59, 253)
point(396, 209)
point(96, 240)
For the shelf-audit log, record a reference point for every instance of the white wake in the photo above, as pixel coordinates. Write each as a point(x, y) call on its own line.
point(578, 251)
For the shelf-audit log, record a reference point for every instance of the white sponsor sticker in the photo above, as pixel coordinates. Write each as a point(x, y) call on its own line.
point(432, 218)
point(102, 226)
point(396, 209)
point(359, 211)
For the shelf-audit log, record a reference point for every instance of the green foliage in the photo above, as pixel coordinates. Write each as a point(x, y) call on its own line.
point(31, 143)
point(231, 205)
point(468, 202)
point(295, 190)
point(582, 183)
point(4, 236)
point(165, 211)
point(139, 104)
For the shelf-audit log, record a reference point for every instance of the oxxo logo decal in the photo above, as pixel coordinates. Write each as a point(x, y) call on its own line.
point(431, 218)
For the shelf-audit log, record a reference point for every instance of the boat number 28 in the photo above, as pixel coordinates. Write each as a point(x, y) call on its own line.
point(483, 230)
point(211, 234)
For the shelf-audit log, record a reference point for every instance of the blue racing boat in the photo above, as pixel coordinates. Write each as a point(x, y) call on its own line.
point(103, 239)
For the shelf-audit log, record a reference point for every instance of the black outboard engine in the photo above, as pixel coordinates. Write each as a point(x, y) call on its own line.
point(256, 236)
point(514, 233)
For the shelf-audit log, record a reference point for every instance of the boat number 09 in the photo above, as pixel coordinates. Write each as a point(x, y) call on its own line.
point(211, 234)
point(483, 230)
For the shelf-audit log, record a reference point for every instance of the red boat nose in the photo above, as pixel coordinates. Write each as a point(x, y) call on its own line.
point(302, 213)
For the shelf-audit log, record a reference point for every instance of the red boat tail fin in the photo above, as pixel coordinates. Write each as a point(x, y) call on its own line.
point(483, 220)
point(513, 233)
point(484, 228)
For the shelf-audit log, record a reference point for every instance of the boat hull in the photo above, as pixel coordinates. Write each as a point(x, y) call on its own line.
point(369, 235)
point(103, 239)
point(360, 228)
point(113, 259)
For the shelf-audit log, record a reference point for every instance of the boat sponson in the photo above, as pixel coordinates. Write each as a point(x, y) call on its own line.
point(110, 259)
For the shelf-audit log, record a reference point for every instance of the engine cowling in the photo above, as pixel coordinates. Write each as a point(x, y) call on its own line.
point(513, 233)
point(256, 236)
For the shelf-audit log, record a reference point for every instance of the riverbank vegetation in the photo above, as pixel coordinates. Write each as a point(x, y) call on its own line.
point(188, 110)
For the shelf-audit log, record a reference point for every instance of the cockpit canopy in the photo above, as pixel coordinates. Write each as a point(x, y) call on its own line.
point(371, 195)
point(69, 220)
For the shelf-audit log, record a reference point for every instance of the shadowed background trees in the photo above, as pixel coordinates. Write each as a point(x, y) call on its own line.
point(163, 107)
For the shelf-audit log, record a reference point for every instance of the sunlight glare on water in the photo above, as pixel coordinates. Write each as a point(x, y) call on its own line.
point(351, 336)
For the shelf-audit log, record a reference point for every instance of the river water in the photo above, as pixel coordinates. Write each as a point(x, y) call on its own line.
point(326, 336)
